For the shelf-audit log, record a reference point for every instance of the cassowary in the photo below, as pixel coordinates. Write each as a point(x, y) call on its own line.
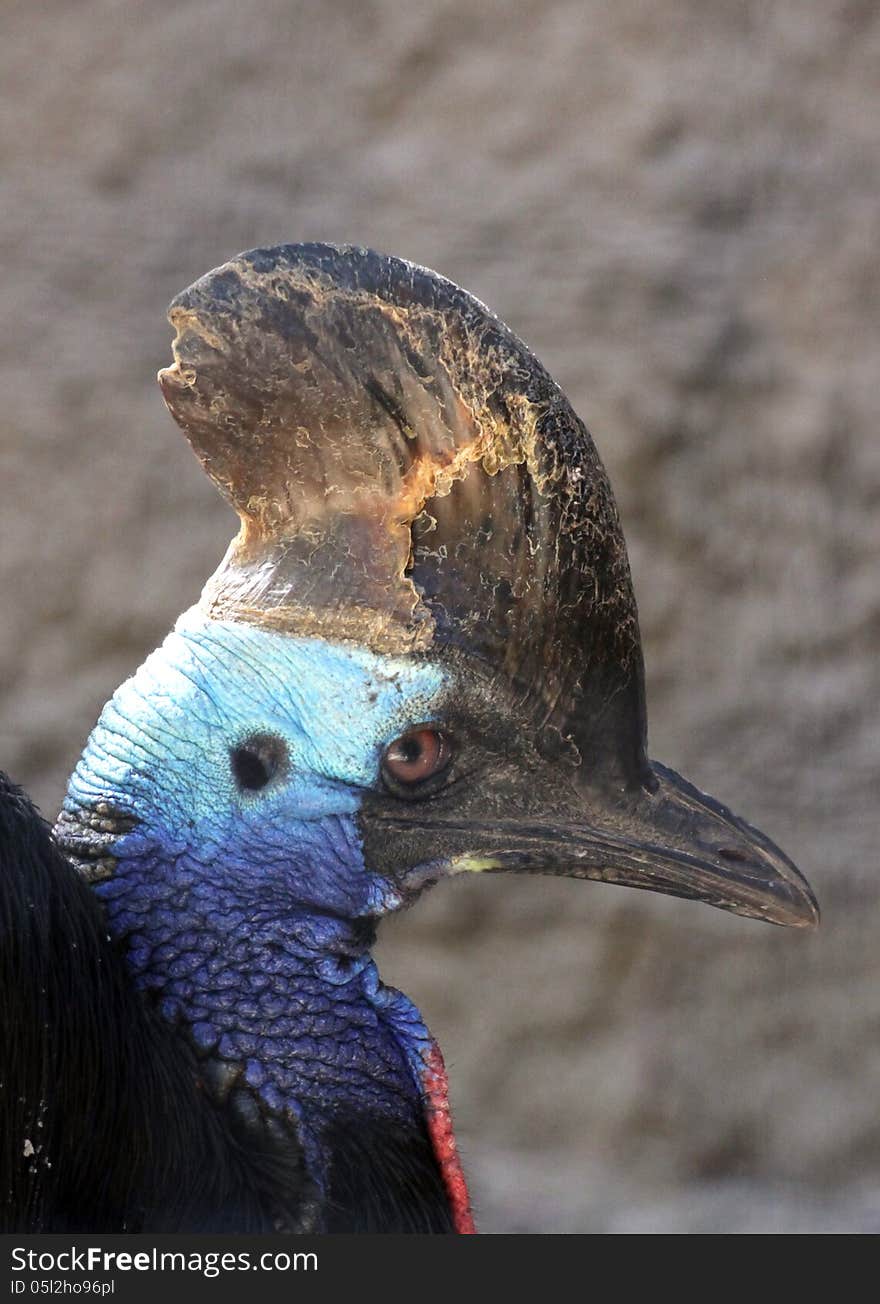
point(419, 658)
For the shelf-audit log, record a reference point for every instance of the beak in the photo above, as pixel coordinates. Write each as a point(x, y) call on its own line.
point(667, 837)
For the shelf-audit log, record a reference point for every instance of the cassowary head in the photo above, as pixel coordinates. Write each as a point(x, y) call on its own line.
point(419, 657)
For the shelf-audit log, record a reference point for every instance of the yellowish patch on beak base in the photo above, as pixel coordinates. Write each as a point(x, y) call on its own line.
point(472, 864)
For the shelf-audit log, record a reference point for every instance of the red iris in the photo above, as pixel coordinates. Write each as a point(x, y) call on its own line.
point(416, 756)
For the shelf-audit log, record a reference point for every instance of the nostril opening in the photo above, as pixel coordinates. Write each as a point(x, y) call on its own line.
point(731, 853)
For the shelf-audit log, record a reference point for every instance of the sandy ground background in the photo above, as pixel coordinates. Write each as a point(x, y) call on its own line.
point(676, 204)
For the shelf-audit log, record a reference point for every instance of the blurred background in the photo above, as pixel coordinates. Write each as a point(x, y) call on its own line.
point(676, 204)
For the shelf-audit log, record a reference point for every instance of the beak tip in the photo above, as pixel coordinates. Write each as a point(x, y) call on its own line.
point(810, 916)
point(799, 907)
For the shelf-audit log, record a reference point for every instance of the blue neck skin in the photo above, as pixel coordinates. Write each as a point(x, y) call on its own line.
point(249, 913)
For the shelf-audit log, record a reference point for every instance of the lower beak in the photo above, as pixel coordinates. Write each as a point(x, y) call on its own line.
point(668, 837)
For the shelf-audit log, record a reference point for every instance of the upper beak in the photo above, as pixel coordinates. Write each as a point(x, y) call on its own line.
point(668, 837)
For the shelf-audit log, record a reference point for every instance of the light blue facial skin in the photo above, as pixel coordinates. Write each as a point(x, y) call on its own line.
point(239, 907)
point(161, 749)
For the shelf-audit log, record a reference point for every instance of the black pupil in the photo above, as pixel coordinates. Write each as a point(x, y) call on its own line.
point(410, 749)
point(256, 762)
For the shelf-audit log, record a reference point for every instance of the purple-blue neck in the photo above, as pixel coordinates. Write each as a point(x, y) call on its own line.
point(292, 996)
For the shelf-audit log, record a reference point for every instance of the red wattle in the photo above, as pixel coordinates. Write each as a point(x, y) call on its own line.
point(436, 1088)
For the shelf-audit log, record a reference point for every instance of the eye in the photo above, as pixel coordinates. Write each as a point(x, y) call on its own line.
point(414, 758)
point(256, 761)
